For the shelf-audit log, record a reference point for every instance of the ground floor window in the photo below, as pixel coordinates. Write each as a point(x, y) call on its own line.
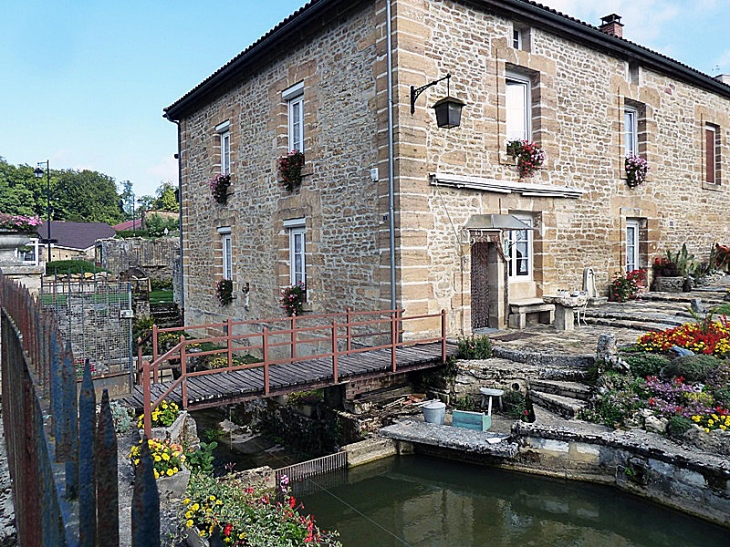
point(297, 251)
point(632, 245)
point(518, 250)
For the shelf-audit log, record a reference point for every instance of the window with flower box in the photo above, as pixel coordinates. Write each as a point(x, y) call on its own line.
point(224, 134)
point(297, 250)
point(518, 107)
point(227, 251)
point(294, 97)
point(518, 249)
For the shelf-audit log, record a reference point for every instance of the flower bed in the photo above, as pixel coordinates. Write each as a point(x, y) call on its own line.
point(712, 338)
point(239, 515)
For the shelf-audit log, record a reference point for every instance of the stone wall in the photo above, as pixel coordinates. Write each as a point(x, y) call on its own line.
point(337, 66)
point(155, 257)
point(578, 100)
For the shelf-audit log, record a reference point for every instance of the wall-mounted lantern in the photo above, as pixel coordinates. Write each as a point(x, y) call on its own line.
point(448, 109)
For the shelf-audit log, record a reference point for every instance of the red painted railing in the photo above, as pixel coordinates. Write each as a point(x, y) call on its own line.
point(340, 333)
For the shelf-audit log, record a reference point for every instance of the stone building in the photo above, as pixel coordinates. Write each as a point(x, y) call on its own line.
point(319, 82)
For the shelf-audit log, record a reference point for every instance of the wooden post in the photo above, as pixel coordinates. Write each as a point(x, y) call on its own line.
point(154, 343)
point(349, 330)
point(139, 361)
point(293, 336)
point(443, 336)
point(229, 341)
point(335, 372)
point(147, 399)
point(265, 349)
point(393, 339)
point(184, 373)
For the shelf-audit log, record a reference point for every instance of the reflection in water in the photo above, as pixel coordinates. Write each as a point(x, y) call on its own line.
point(427, 502)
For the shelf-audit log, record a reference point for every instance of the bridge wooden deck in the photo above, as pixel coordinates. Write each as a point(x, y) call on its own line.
point(210, 390)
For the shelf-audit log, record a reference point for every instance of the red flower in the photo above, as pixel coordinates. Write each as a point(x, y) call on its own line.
point(652, 401)
point(292, 502)
point(227, 529)
point(679, 379)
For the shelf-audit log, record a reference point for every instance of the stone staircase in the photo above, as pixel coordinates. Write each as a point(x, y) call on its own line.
point(565, 399)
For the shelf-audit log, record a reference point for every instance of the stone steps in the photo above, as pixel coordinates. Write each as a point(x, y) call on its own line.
point(630, 324)
point(567, 407)
point(573, 390)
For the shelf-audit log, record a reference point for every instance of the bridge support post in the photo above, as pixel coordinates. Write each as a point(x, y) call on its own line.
point(265, 350)
point(443, 336)
point(349, 329)
point(335, 372)
point(229, 342)
point(184, 373)
point(293, 335)
point(393, 339)
point(155, 353)
point(146, 399)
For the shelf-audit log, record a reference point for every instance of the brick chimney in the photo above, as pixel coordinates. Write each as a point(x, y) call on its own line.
point(611, 25)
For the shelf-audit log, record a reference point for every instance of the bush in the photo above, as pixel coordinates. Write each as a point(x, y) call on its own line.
point(71, 267)
point(515, 404)
point(201, 460)
point(161, 284)
point(646, 364)
point(694, 368)
point(678, 425)
point(474, 347)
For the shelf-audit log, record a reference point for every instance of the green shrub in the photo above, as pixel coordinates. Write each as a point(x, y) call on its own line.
point(678, 425)
point(201, 460)
point(694, 368)
point(514, 404)
point(646, 364)
point(73, 267)
point(161, 284)
point(312, 397)
point(466, 403)
point(474, 347)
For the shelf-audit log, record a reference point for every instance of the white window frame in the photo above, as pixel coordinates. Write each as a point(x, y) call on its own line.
point(516, 37)
point(294, 97)
point(633, 237)
point(514, 239)
point(224, 132)
point(518, 88)
point(631, 130)
point(226, 251)
point(297, 253)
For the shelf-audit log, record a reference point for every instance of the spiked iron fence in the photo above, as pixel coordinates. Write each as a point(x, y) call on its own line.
point(63, 465)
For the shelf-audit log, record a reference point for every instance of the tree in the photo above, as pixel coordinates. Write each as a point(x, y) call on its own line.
point(126, 199)
point(166, 198)
point(86, 196)
point(21, 193)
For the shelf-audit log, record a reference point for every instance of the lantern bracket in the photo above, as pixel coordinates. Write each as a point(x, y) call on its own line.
point(416, 91)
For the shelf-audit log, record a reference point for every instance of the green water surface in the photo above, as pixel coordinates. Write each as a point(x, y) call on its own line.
point(420, 501)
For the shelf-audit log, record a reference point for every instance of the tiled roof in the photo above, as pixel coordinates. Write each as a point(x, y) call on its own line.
point(75, 235)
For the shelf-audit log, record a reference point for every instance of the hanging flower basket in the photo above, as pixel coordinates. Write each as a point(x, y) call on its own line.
point(219, 187)
point(293, 298)
point(18, 223)
point(224, 291)
point(636, 168)
point(290, 169)
point(529, 156)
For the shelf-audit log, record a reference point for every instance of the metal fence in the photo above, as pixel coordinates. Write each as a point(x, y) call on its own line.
point(95, 316)
point(63, 464)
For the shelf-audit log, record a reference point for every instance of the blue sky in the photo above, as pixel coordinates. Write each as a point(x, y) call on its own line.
point(83, 83)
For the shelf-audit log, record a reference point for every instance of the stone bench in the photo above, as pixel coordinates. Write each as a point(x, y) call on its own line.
point(478, 421)
point(520, 309)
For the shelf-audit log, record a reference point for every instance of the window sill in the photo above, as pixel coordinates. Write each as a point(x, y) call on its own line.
point(506, 159)
point(712, 187)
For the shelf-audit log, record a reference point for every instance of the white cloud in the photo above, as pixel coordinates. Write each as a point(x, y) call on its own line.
point(165, 170)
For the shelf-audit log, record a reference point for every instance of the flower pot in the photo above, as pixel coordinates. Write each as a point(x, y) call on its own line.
point(668, 284)
point(174, 432)
point(174, 487)
point(9, 241)
point(193, 539)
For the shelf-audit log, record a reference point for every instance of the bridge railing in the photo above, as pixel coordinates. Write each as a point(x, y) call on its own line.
point(282, 340)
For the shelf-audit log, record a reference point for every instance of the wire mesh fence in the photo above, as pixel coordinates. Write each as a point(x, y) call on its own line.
point(95, 315)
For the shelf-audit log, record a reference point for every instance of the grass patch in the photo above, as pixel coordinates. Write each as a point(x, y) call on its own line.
point(161, 297)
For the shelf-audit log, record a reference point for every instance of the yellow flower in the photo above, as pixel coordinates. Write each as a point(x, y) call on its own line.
point(170, 473)
point(696, 419)
point(195, 506)
point(188, 514)
point(189, 523)
point(157, 458)
point(186, 501)
point(157, 475)
point(723, 427)
point(707, 430)
point(212, 498)
point(166, 456)
point(175, 470)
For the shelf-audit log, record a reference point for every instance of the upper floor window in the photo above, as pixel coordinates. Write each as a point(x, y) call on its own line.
point(227, 248)
point(712, 154)
point(224, 133)
point(518, 108)
point(297, 250)
point(517, 38)
point(518, 249)
point(631, 131)
point(294, 97)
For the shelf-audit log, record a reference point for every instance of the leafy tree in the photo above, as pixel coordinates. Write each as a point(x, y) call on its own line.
point(166, 198)
point(126, 199)
point(87, 196)
point(21, 193)
point(156, 225)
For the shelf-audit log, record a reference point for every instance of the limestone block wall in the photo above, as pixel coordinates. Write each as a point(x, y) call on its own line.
point(578, 99)
point(155, 256)
point(338, 199)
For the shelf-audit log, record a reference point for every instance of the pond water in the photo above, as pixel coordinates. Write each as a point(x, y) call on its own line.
point(419, 501)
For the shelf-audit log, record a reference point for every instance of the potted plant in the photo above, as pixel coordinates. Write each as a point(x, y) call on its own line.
point(224, 291)
point(636, 168)
point(529, 156)
point(219, 187)
point(290, 169)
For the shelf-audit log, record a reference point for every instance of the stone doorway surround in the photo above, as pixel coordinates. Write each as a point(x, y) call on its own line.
point(488, 280)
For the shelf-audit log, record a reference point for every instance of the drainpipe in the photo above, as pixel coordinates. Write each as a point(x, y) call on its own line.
point(391, 159)
point(180, 217)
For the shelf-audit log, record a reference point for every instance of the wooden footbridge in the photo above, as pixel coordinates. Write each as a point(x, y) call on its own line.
point(290, 354)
